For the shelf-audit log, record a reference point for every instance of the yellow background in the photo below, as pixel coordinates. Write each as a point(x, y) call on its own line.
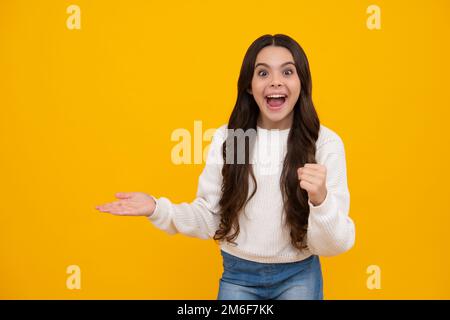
point(87, 113)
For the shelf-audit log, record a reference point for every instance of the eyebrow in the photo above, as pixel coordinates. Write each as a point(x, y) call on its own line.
point(266, 65)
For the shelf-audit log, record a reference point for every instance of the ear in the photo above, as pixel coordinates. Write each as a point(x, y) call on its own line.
point(249, 90)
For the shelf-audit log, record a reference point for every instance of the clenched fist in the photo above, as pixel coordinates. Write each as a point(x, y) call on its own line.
point(130, 204)
point(312, 178)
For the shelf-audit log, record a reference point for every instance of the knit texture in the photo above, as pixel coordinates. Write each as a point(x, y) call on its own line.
point(263, 235)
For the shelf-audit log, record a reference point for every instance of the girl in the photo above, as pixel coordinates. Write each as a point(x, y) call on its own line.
point(273, 214)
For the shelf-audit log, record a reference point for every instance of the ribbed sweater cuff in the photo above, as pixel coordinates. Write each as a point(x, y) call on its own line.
point(156, 213)
point(323, 209)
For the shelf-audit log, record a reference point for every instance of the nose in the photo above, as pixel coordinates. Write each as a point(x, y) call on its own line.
point(275, 82)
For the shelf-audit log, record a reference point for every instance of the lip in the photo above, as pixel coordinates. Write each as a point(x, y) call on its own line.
point(275, 108)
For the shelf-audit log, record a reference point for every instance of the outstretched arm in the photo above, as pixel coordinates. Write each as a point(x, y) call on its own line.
point(199, 218)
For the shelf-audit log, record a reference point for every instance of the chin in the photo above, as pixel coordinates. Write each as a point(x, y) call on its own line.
point(273, 118)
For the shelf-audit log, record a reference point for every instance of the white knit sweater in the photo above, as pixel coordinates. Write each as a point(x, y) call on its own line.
point(263, 237)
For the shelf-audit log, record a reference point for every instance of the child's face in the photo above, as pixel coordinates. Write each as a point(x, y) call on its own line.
point(275, 74)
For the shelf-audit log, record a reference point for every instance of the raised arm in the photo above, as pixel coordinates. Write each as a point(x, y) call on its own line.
point(330, 229)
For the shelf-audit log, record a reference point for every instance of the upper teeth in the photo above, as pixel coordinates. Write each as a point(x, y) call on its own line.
point(276, 96)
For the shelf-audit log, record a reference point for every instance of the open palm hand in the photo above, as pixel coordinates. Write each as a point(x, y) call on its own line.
point(130, 204)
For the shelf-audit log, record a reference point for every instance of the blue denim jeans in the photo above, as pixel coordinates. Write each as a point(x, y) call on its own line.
point(249, 280)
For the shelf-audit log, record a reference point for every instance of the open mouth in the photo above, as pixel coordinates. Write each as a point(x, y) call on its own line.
point(275, 101)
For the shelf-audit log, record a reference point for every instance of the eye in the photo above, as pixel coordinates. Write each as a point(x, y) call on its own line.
point(289, 71)
point(262, 73)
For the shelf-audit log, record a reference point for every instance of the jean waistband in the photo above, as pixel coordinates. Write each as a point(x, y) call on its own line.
point(228, 256)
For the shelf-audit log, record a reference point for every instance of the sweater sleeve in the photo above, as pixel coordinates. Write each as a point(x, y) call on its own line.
point(330, 229)
point(199, 218)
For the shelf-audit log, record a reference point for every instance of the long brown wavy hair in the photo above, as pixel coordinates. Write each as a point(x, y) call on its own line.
point(301, 147)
